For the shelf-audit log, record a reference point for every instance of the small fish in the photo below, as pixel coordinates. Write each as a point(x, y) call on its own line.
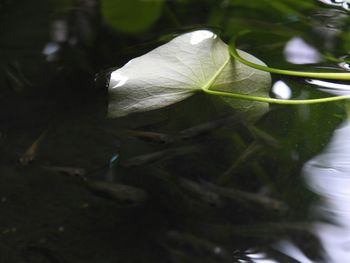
point(200, 191)
point(110, 174)
point(157, 156)
point(113, 160)
point(31, 152)
point(15, 77)
point(71, 171)
point(207, 127)
point(269, 231)
point(121, 193)
point(252, 149)
point(263, 137)
point(185, 134)
point(15, 82)
point(247, 197)
point(151, 136)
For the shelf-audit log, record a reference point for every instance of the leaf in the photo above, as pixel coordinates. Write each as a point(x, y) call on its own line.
point(131, 16)
point(328, 172)
point(328, 175)
point(190, 63)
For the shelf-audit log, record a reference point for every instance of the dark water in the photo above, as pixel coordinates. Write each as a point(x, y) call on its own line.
point(193, 182)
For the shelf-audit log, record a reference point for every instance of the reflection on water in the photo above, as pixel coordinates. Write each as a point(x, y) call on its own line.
point(281, 90)
point(341, 3)
point(256, 257)
point(328, 175)
point(345, 64)
point(59, 31)
point(330, 87)
point(290, 249)
point(297, 51)
point(50, 51)
point(58, 35)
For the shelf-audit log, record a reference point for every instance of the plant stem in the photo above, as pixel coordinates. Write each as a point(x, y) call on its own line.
point(272, 100)
point(319, 75)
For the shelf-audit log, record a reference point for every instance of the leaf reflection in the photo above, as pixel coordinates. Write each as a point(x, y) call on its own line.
point(328, 175)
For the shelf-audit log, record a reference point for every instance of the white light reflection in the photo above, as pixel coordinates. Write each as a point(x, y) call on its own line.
point(51, 48)
point(50, 51)
point(257, 257)
point(328, 174)
point(331, 87)
point(281, 90)
point(344, 65)
point(117, 80)
point(200, 35)
point(341, 3)
point(297, 51)
point(292, 251)
point(333, 2)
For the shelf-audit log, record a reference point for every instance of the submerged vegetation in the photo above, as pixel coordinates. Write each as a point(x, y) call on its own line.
point(191, 154)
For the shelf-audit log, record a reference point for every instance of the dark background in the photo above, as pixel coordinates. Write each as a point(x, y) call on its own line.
point(55, 59)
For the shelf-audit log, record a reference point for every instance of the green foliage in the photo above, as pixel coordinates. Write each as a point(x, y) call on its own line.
point(131, 16)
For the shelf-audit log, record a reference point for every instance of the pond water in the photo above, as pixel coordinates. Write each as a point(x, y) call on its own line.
point(194, 181)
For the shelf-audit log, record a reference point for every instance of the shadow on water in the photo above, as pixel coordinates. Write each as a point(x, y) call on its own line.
point(193, 182)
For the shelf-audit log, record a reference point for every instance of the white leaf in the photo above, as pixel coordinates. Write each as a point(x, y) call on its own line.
point(180, 68)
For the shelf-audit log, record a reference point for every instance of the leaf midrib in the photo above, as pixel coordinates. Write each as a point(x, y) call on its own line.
point(215, 76)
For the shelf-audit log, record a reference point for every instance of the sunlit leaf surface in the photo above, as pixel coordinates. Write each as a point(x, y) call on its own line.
point(175, 71)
